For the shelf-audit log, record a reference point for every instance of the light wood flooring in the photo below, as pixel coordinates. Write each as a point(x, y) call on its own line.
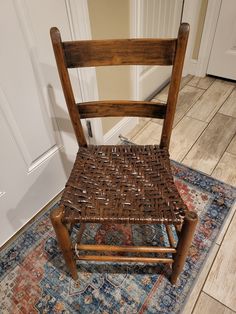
point(204, 138)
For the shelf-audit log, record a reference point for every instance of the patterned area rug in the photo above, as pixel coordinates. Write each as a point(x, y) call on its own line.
point(35, 280)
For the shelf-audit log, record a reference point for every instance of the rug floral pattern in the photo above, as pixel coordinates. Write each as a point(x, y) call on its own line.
point(34, 278)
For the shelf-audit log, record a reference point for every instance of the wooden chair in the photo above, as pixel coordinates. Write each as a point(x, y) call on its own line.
point(121, 183)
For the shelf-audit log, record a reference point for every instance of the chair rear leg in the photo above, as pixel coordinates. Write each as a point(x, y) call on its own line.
point(185, 240)
point(64, 241)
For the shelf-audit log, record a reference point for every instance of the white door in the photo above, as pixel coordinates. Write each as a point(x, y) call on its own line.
point(156, 19)
point(38, 145)
point(223, 53)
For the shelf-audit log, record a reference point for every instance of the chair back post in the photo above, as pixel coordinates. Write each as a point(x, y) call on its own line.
point(174, 84)
point(67, 88)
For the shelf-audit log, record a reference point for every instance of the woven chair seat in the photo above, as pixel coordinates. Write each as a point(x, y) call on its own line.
point(122, 184)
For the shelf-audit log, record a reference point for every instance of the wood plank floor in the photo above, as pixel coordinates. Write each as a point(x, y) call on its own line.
point(204, 138)
point(211, 145)
point(221, 281)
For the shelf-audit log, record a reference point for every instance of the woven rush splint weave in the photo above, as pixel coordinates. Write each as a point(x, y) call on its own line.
point(122, 184)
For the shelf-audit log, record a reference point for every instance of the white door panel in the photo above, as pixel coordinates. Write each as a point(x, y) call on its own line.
point(223, 53)
point(157, 19)
point(25, 102)
point(66, 19)
point(37, 141)
point(24, 192)
point(50, 83)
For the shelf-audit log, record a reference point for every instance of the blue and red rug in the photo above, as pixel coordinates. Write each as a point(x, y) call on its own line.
point(35, 280)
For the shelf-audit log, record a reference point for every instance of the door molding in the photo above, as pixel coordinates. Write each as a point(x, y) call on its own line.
point(212, 14)
point(78, 16)
point(22, 14)
point(154, 18)
point(191, 14)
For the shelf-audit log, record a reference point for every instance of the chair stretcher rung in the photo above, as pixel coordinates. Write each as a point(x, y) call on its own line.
point(170, 236)
point(125, 259)
point(115, 248)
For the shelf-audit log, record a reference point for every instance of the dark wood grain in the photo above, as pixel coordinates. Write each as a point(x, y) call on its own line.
point(66, 85)
point(127, 52)
point(175, 84)
point(122, 109)
point(135, 259)
point(184, 243)
point(63, 238)
point(119, 52)
point(125, 248)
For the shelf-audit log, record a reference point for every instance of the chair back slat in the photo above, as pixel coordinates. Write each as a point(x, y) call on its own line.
point(121, 109)
point(89, 53)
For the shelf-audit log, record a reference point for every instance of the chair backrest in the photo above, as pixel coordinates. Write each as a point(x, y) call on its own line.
point(88, 53)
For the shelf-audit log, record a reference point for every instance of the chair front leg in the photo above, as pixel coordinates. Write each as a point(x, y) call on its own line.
point(64, 241)
point(184, 243)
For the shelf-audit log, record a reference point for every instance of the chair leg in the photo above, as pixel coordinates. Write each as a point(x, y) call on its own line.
point(64, 240)
point(185, 240)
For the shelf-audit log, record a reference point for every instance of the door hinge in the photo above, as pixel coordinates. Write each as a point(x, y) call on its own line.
point(89, 128)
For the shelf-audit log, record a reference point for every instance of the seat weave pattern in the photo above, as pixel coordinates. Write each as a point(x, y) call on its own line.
point(122, 184)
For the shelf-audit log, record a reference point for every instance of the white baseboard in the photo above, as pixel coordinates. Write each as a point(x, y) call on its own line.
point(197, 68)
point(122, 127)
point(192, 68)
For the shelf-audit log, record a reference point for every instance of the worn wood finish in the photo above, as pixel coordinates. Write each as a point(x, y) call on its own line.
point(119, 248)
point(185, 240)
point(81, 231)
point(178, 229)
point(117, 52)
point(170, 236)
point(66, 85)
point(112, 167)
point(121, 109)
point(88, 53)
point(175, 84)
point(63, 238)
point(107, 258)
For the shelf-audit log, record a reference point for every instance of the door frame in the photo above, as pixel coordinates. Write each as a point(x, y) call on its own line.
point(212, 15)
point(78, 16)
point(136, 6)
point(199, 67)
